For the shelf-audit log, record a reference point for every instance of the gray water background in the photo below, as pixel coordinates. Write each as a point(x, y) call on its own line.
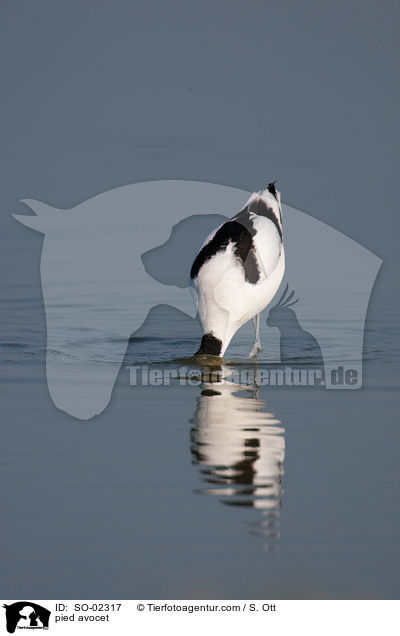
point(95, 96)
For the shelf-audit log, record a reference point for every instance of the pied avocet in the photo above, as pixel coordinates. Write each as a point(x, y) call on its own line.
point(238, 271)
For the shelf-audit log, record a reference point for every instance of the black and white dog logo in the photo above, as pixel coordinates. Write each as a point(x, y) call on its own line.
point(26, 615)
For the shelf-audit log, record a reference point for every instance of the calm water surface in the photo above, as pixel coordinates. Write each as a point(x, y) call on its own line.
point(215, 490)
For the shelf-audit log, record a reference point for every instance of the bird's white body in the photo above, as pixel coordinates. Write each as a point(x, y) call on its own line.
point(238, 271)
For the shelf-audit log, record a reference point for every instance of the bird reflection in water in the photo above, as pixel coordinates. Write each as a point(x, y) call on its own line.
point(240, 447)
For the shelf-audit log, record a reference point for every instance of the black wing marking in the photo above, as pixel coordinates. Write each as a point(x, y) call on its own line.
point(259, 207)
point(236, 233)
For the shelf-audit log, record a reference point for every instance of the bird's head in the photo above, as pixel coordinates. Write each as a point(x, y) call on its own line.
point(281, 312)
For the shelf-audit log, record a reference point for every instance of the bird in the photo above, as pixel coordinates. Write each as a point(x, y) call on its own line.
point(296, 344)
point(238, 271)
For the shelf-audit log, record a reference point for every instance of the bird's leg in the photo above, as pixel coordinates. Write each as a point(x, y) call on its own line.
point(256, 348)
